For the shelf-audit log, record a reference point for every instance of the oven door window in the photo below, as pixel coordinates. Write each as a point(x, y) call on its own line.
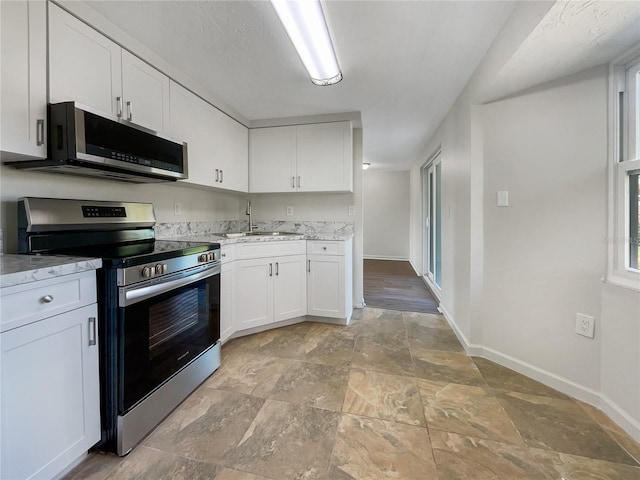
point(163, 334)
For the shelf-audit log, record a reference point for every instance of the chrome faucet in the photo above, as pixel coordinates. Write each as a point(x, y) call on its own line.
point(248, 212)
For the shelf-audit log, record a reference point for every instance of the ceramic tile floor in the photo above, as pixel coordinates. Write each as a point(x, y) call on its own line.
point(391, 396)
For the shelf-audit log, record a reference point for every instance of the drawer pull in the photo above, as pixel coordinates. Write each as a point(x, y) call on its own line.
point(47, 299)
point(324, 248)
point(92, 331)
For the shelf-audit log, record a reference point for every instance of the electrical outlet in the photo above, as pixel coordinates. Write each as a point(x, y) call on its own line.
point(585, 325)
point(352, 210)
point(289, 211)
point(177, 208)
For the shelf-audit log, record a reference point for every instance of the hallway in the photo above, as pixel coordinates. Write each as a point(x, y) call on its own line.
point(394, 285)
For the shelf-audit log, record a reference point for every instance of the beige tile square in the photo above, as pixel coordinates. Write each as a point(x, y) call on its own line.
point(389, 358)
point(368, 448)
point(466, 410)
point(287, 441)
point(466, 458)
point(207, 426)
point(448, 367)
point(569, 467)
point(384, 396)
point(315, 385)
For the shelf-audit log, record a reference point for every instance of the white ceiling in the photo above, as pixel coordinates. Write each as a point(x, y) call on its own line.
point(404, 62)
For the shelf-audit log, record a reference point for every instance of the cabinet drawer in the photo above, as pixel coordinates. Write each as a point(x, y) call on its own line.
point(227, 253)
point(30, 302)
point(320, 247)
point(269, 249)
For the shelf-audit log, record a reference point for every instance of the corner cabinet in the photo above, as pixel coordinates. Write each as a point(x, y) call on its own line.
point(302, 158)
point(87, 67)
point(50, 400)
point(217, 145)
point(330, 279)
point(270, 283)
point(23, 84)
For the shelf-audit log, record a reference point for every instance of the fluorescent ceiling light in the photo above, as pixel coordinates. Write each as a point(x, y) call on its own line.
point(365, 165)
point(307, 29)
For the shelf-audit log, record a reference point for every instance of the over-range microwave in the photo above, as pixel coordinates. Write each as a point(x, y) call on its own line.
point(83, 141)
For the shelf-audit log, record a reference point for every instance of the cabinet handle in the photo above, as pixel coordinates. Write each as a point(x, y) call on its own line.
point(217, 175)
point(324, 248)
point(40, 132)
point(298, 182)
point(277, 269)
point(129, 111)
point(293, 182)
point(223, 255)
point(47, 299)
point(271, 269)
point(309, 267)
point(221, 176)
point(92, 331)
point(119, 107)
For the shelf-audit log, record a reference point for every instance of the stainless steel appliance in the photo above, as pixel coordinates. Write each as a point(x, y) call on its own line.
point(159, 324)
point(83, 141)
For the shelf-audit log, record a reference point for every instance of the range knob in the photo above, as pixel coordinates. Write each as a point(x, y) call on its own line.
point(211, 256)
point(148, 272)
point(161, 268)
point(203, 258)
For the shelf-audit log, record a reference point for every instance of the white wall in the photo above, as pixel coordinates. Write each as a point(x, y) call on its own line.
point(544, 254)
point(386, 214)
point(514, 278)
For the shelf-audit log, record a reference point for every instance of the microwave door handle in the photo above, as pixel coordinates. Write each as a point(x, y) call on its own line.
point(130, 111)
point(131, 295)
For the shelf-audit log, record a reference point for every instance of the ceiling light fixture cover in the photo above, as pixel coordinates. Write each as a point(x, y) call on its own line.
point(307, 28)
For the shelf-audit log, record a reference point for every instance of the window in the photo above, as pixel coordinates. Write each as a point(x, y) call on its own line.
point(624, 251)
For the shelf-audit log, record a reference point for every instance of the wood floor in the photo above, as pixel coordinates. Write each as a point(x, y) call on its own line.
point(394, 285)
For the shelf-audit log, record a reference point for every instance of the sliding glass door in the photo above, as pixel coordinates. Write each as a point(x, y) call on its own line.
point(432, 220)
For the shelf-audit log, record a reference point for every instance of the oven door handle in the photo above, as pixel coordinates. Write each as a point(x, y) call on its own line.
point(130, 295)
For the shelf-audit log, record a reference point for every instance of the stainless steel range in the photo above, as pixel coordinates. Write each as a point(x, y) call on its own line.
point(159, 325)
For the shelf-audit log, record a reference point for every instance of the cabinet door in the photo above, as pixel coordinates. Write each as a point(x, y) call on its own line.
point(192, 120)
point(145, 93)
point(232, 155)
point(50, 394)
point(254, 293)
point(227, 300)
point(326, 286)
point(84, 66)
point(272, 159)
point(23, 85)
point(325, 157)
point(290, 287)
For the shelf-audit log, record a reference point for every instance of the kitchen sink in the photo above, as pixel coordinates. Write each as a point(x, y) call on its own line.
point(257, 234)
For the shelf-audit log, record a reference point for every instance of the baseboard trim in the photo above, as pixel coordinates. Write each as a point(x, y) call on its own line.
point(384, 257)
point(564, 385)
point(415, 269)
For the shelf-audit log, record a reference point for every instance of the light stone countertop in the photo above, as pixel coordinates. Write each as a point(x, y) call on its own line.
point(17, 269)
point(222, 240)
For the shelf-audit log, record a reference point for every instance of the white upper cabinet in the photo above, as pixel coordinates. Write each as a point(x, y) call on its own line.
point(304, 158)
point(217, 145)
point(23, 81)
point(192, 120)
point(145, 92)
point(233, 154)
point(84, 65)
point(325, 157)
point(87, 67)
point(272, 159)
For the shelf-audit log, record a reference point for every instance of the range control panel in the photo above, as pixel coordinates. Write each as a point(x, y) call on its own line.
point(103, 212)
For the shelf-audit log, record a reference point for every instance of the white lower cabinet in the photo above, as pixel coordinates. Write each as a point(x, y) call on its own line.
point(269, 289)
point(329, 284)
point(50, 401)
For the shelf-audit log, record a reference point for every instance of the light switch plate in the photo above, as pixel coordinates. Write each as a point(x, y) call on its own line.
point(177, 209)
point(289, 211)
point(503, 198)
